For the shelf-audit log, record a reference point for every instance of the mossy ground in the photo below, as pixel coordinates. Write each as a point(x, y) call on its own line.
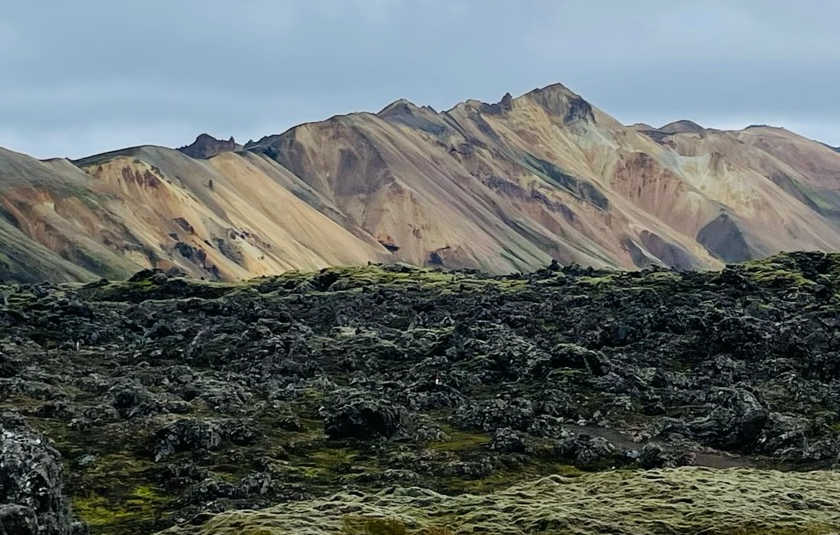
point(142, 505)
point(678, 501)
point(460, 440)
point(119, 490)
point(122, 490)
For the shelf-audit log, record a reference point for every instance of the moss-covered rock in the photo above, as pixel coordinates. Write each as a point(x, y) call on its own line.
point(173, 400)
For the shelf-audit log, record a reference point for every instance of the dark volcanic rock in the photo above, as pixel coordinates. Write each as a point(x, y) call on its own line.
point(304, 384)
point(8, 367)
point(507, 440)
point(587, 451)
point(206, 146)
point(186, 435)
point(494, 414)
point(655, 455)
point(131, 399)
point(571, 356)
point(364, 419)
point(735, 421)
point(32, 497)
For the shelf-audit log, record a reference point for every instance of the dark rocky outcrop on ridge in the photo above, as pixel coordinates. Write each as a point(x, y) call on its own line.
point(206, 146)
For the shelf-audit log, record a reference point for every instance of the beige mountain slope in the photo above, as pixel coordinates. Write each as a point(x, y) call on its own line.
point(501, 187)
point(229, 217)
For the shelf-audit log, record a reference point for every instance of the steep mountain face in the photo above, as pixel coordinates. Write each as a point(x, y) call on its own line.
point(502, 187)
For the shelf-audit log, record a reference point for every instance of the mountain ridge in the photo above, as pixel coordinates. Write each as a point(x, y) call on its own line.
point(502, 187)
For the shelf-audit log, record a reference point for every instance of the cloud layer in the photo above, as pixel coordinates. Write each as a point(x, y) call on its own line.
point(85, 77)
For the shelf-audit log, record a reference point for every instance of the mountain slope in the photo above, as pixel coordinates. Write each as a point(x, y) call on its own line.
point(229, 217)
point(502, 187)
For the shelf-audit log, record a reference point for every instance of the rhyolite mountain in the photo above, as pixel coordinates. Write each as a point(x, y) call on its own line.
point(501, 187)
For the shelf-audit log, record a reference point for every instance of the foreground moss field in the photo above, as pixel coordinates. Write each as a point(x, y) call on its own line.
point(683, 500)
point(391, 399)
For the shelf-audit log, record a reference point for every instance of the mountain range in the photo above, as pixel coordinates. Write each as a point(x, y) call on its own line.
point(502, 187)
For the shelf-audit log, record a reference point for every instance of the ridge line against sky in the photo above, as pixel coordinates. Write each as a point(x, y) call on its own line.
point(88, 77)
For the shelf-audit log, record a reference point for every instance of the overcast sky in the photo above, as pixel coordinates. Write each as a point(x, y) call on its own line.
point(82, 77)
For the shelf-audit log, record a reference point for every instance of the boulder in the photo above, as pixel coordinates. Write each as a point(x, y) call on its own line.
point(735, 421)
point(8, 366)
point(364, 419)
point(575, 356)
point(586, 451)
point(132, 399)
point(186, 435)
point(506, 440)
point(488, 415)
point(655, 455)
point(32, 500)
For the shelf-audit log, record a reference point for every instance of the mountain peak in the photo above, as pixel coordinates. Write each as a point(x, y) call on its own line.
point(206, 146)
point(769, 127)
point(555, 88)
point(558, 99)
point(401, 105)
point(683, 126)
point(507, 102)
point(405, 112)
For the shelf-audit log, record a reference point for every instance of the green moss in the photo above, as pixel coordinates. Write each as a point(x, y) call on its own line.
point(145, 492)
point(435, 530)
point(332, 457)
point(811, 529)
point(333, 279)
point(26, 403)
point(685, 500)
point(776, 278)
point(662, 276)
point(461, 441)
point(350, 279)
point(786, 270)
point(502, 479)
point(603, 280)
point(114, 494)
point(96, 511)
point(122, 514)
point(142, 290)
point(322, 465)
point(355, 525)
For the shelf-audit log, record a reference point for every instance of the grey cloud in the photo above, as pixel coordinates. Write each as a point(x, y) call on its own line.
point(84, 77)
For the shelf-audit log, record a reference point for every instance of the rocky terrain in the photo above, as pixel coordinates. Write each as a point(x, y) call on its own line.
point(206, 146)
point(391, 399)
point(503, 187)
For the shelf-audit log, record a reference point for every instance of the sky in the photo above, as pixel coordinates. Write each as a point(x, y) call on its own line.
point(82, 77)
